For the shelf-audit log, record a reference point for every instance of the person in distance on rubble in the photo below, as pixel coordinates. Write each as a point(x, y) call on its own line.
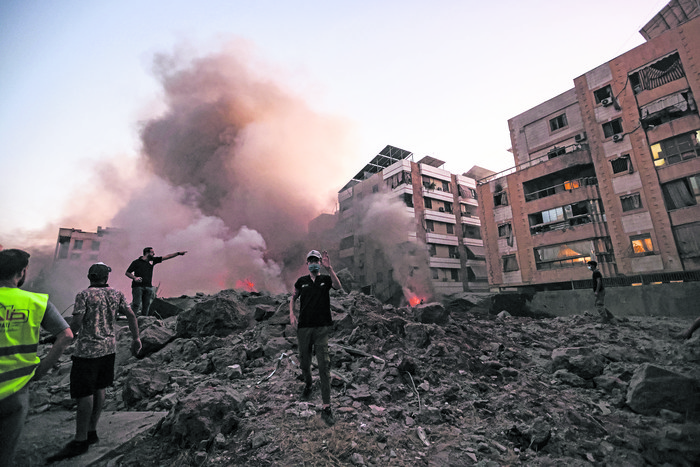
point(140, 272)
point(94, 324)
point(22, 314)
point(314, 324)
point(599, 292)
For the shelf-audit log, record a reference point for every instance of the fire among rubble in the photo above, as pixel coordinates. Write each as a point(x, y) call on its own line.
point(245, 284)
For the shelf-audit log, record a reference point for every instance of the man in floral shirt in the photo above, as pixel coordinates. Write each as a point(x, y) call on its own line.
point(94, 324)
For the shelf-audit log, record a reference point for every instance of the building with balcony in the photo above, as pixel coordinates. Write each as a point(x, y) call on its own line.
point(435, 247)
point(608, 170)
point(79, 247)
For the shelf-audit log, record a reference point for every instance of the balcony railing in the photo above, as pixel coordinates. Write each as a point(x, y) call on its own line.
point(555, 152)
point(569, 186)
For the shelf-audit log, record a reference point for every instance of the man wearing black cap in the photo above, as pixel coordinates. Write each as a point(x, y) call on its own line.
point(599, 292)
point(94, 324)
point(314, 324)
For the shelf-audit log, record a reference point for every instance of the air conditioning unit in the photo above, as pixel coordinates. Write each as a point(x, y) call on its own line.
point(580, 137)
point(607, 102)
point(441, 209)
point(617, 138)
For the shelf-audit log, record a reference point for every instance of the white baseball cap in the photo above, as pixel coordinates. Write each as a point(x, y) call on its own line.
point(314, 254)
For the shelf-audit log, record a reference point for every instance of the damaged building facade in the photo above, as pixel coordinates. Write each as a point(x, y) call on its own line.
point(78, 246)
point(442, 237)
point(607, 171)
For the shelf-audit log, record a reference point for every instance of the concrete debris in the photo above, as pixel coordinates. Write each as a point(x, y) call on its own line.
point(439, 384)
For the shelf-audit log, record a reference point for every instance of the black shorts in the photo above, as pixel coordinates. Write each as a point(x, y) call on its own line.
point(88, 375)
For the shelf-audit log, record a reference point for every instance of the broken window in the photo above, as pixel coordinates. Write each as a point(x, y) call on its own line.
point(657, 74)
point(603, 93)
point(612, 128)
point(407, 199)
point(565, 255)
point(668, 108)
point(504, 230)
point(631, 202)
point(641, 244)
point(676, 149)
point(557, 123)
point(500, 199)
point(682, 193)
point(471, 231)
point(688, 239)
point(621, 164)
point(510, 263)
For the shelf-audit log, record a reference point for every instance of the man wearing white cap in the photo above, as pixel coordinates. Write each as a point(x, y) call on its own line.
point(314, 324)
point(94, 324)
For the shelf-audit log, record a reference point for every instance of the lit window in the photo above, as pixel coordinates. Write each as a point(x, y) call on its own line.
point(571, 184)
point(676, 149)
point(641, 244)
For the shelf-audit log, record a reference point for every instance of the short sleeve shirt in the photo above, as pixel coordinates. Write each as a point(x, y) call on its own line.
point(597, 275)
point(143, 269)
point(315, 301)
point(97, 335)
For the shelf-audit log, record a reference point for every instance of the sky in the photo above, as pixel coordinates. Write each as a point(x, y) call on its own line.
point(78, 79)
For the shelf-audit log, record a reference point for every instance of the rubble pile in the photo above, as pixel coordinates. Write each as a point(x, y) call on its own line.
point(444, 384)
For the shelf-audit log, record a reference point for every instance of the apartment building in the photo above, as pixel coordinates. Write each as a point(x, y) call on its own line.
point(434, 248)
point(78, 246)
point(609, 170)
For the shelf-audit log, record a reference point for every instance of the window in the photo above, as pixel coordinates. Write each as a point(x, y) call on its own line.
point(78, 245)
point(602, 93)
point(446, 187)
point(375, 188)
point(408, 199)
point(347, 242)
point(552, 215)
point(510, 263)
point(453, 252)
point(450, 229)
point(504, 230)
point(557, 123)
point(430, 226)
point(432, 249)
point(668, 108)
point(428, 203)
point(435, 273)
point(563, 217)
point(95, 245)
point(641, 244)
point(466, 192)
point(471, 231)
point(455, 274)
point(612, 128)
point(500, 199)
point(658, 73)
point(631, 202)
point(682, 193)
point(688, 240)
point(621, 164)
point(676, 149)
point(565, 255)
point(571, 185)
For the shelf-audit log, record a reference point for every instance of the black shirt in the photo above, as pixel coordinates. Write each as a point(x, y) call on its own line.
point(597, 275)
point(143, 269)
point(315, 301)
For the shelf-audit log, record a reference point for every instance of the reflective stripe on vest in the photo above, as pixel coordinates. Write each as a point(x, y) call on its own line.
point(21, 314)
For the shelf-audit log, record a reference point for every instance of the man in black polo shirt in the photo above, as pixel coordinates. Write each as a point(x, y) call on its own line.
point(599, 292)
point(314, 324)
point(140, 272)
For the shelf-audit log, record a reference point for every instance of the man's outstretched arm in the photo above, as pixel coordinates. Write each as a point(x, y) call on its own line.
point(172, 255)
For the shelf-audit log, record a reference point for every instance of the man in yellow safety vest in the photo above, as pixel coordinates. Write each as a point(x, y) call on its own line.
point(22, 314)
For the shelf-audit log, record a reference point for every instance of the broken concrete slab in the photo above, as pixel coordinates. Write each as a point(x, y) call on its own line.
point(46, 433)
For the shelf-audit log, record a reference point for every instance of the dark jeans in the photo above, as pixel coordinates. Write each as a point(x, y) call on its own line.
point(13, 413)
point(142, 299)
point(316, 338)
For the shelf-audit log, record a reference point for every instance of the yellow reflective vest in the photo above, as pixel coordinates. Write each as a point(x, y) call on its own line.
point(21, 313)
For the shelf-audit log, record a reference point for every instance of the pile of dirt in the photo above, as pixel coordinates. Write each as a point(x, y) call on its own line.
point(444, 384)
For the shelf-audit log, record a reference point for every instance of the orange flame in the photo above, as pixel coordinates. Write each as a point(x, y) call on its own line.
point(246, 284)
point(413, 301)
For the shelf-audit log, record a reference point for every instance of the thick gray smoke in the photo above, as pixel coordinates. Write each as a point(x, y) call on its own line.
point(232, 171)
point(385, 223)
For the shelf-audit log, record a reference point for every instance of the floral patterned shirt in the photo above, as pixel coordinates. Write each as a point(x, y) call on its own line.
point(99, 306)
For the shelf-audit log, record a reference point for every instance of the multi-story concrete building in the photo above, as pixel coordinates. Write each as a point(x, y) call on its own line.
point(75, 245)
point(432, 246)
point(609, 170)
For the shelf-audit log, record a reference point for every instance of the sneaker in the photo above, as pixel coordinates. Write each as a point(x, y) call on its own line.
point(327, 416)
point(92, 437)
point(72, 449)
point(306, 393)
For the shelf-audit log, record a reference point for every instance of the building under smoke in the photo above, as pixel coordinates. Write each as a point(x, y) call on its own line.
point(410, 230)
